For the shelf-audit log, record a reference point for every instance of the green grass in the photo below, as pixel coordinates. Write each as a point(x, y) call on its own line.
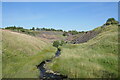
point(21, 54)
point(94, 59)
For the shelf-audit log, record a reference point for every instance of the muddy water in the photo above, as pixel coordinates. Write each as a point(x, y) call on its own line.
point(50, 75)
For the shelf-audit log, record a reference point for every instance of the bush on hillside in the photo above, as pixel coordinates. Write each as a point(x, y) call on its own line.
point(62, 42)
point(58, 43)
point(111, 21)
point(33, 28)
point(48, 29)
point(65, 34)
point(14, 27)
point(73, 32)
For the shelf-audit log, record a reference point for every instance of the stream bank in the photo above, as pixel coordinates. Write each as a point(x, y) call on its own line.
point(49, 74)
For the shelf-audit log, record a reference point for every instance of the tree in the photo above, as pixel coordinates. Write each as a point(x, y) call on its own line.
point(38, 29)
point(56, 43)
point(111, 21)
point(73, 32)
point(33, 28)
point(20, 28)
point(60, 30)
point(11, 27)
point(65, 34)
point(62, 42)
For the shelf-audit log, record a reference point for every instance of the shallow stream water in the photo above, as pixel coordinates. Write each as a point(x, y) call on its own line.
point(50, 75)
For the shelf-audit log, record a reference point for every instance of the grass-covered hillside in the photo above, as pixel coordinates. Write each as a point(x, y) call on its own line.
point(21, 54)
point(94, 59)
point(45, 33)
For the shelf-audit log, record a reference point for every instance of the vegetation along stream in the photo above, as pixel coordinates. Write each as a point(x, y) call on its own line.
point(44, 74)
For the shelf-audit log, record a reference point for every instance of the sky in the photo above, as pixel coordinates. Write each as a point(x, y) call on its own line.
point(60, 0)
point(81, 16)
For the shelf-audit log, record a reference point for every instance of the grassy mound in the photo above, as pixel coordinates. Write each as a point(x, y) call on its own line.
point(94, 59)
point(21, 54)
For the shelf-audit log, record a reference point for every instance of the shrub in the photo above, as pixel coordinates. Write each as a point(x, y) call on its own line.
point(73, 32)
point(111, 21)
point(56, 43)
point(33, 28)
point(65, 34)
point(62, 42)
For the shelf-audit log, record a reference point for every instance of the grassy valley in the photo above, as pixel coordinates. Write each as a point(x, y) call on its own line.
point(90, 54)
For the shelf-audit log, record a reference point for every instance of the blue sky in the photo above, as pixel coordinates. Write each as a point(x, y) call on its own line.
point(79, 16)
point(60, 0)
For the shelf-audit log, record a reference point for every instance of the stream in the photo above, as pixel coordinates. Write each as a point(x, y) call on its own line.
point(44, 74)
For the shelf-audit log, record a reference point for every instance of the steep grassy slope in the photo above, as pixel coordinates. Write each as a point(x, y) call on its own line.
point(94, 59)
point(21, 54)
